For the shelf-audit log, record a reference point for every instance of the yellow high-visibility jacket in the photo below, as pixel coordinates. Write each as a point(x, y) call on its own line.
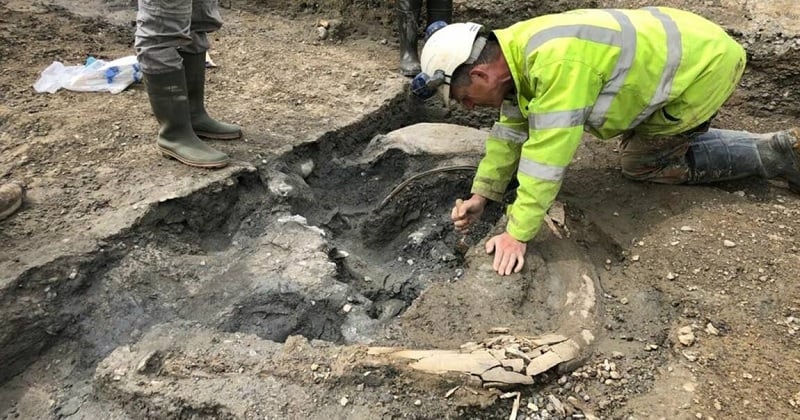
point(604, 71)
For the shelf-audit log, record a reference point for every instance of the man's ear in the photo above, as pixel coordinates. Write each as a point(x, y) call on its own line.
point(479, 73)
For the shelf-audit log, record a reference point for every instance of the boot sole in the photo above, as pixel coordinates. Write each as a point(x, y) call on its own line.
point(181, 159)
point(219, 136)
point(409, 73)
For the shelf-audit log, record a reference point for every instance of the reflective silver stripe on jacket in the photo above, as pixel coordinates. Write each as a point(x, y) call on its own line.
point(625, 38)
point(627, 54)
point(583, 32)
point(559, 119)
point(541, 171)
point(508, 134)
point(510, 110)
point(674, 53)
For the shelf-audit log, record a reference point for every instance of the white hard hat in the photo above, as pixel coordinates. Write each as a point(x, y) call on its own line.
point(449, 47)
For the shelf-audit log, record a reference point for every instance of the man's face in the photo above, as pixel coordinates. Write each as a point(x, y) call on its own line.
point(481, 91)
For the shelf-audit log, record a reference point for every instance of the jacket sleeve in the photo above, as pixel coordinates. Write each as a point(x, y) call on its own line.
point(564, 93)
point(502, 153)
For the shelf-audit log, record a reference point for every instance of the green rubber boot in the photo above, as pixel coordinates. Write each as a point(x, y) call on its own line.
point(440, 10)
point(407, 27)
point(202, 123)
point(176, 139)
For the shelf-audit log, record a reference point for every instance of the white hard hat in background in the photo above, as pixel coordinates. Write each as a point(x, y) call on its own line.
point(446, 49)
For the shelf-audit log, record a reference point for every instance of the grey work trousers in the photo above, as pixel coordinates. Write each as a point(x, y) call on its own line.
point(165, 27)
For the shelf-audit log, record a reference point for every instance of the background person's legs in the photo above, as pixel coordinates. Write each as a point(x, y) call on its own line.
point(162, 28)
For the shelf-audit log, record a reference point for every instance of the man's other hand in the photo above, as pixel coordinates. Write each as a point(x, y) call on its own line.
point(509, 253)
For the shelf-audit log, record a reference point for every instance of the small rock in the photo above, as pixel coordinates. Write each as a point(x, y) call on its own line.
point(306, 168)
point(687, 229)
point(343, 402)
point(686, 336)
point(671, 276)
point(711, 329)
point(728, 243)
point(322, 33)
point(418, 403)
point(690, 356)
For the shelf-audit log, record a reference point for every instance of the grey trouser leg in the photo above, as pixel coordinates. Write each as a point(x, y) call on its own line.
point(715, 155)
point(164, 26)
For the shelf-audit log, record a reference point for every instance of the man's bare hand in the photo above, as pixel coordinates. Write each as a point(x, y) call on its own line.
point(509, 253)
point(466, 213)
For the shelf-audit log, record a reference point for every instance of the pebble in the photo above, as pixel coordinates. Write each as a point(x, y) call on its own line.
point(728, 243)
point(686, 336)
point(322, 33)
point(343, 402)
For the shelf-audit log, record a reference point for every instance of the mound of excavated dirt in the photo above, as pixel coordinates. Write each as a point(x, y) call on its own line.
point(132, 286)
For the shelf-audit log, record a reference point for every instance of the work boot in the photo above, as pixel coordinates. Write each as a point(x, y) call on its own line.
point(408, 27)
point(440, 10)
point(722, 155)
point(176, 138)
point(11, 196)
point(204, 125)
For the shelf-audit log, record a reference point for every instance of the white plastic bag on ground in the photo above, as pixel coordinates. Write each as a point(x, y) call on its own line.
point(95, 76)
